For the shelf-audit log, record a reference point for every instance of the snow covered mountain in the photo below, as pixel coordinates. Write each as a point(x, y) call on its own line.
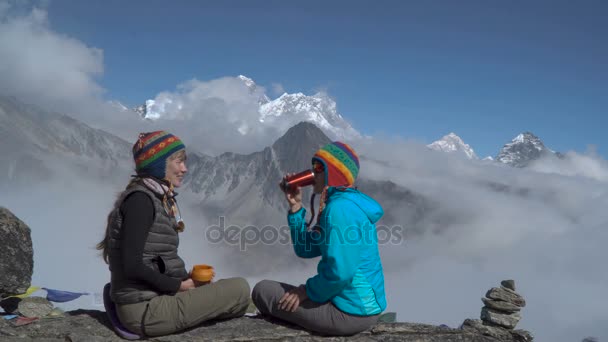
point(243, 190)
point(318, 109)
point(118, 105)
point(244, 187)
point(282, 112)
point(36, 144)
point(253, 89)
point(155, 109)
point(37, 147)
point(452, 143)
point(142, 110)
point(523, 149)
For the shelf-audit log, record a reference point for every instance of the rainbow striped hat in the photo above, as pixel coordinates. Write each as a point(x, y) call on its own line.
point(151, 151)
point(341, 163)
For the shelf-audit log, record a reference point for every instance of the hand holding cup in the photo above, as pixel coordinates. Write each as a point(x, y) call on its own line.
point(202, 274)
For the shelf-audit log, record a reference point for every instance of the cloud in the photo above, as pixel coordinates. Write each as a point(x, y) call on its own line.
point(589, 165)
point(59, 73)
point(56, 72)
point(277, 89)
point(43, 66)
point(215, 116)
point(4, 8)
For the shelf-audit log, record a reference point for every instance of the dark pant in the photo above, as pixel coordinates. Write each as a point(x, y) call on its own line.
point(322, 318)
point(166, 314)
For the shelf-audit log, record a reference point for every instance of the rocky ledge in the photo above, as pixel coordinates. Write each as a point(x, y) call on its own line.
point(36, 319)
point(92, 326)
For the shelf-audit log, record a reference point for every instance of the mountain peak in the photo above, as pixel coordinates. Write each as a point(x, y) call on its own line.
point(319, 109)
point(248, 81)
point(253, 89)
point(525, 137)
point(523, 149)
point(299, 144)
point(303, 132)
point(452, 143)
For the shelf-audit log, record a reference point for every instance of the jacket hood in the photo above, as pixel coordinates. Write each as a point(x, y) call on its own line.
point(368, 205)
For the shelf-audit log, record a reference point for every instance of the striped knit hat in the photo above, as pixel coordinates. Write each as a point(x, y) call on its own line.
point(341, 163)
point(151, 151)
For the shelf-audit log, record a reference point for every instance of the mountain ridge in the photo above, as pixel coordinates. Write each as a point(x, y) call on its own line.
point(452, 143)
point(523, 150)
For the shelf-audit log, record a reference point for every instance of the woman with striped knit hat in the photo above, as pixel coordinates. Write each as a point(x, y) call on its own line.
point(346, 296)
point(151, 293)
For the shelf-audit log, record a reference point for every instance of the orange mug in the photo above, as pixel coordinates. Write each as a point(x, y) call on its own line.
point(202, 274)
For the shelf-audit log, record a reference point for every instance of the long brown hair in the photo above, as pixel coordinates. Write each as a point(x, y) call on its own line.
point(103, 244)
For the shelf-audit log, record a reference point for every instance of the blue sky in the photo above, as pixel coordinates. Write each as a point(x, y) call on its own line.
point(486, 70)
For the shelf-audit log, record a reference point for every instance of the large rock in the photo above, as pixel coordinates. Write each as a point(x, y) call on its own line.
point(35, 307)
point(504, 294)
point(499, 333)
point(499, 305)
point(87, 326)
point(523, 335)
point(16, 254)
point(508, 321)
point(477, 325)
point(509, 283)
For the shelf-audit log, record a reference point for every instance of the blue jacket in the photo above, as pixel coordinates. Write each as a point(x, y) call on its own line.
point(349, 273)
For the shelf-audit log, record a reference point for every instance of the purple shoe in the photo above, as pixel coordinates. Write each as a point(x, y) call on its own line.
point(111, 312)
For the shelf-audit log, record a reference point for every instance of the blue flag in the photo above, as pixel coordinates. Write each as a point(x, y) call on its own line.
point(62, 296)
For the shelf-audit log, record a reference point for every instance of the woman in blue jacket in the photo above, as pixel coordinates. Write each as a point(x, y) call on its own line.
point(346, 296)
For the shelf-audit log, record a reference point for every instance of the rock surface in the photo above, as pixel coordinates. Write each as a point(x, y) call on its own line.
point(504, 294)
point(501, 310)
point(510, 284)
point(508, 321)
point(92, 325)
point(499, 333)
point(500, 305)
point(34, 307)
point(16, 254)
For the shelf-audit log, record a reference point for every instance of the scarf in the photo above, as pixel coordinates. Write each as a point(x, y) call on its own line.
point(168, 199)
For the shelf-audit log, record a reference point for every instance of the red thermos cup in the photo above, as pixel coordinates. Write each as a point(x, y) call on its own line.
point(301, 179)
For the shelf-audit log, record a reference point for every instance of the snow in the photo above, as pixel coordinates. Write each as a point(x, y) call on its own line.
point(524, 148)
point(248, 81)
point(452, 143)
point(118, 105)
point(318, 109)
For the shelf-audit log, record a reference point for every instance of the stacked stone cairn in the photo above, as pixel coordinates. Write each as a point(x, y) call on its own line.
point(502, 306)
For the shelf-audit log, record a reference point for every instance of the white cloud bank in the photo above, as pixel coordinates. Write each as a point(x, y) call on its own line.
point(45, 66)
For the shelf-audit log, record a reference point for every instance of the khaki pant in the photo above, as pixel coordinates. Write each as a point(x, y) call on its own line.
point(163, 315)
point(324, 318)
